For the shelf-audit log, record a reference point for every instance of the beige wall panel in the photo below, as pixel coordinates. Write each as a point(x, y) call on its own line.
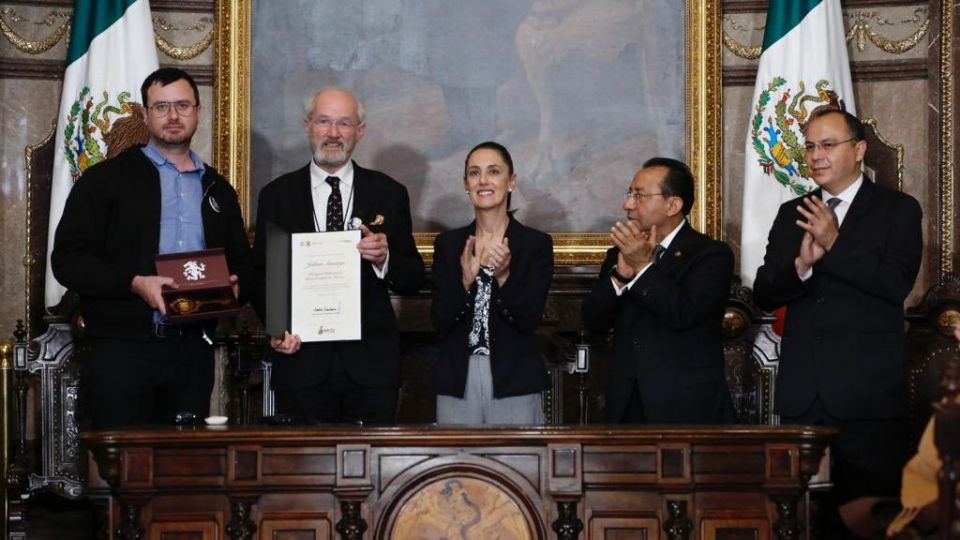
point(736, 114)
point(187, 31)
point(35, 24)
point(203, 139)
point(25, 118)
point(900, 108)
point(889, 23)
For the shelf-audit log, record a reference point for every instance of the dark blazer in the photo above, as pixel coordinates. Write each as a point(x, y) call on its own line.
point(843, 336)
point(110, 232)
point(516, 310)
point(373, 361)
point(667, 332)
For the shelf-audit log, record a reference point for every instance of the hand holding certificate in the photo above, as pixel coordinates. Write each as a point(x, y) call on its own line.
point(313, 285)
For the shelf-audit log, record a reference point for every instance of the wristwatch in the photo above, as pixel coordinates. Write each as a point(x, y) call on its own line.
point(619, 277)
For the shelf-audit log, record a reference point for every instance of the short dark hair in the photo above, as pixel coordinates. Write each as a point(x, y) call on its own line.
point(678, 181)
point(165, 76)
point(491, 145)
point(853, 123)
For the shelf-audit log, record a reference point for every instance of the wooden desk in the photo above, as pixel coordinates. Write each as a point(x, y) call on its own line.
point(551, 482)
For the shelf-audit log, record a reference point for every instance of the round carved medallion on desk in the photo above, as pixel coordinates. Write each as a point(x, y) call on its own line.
point(461, 507)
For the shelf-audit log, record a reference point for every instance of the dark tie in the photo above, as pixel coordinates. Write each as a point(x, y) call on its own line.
point(833, 203)
point(658, 252)
point(334, 205)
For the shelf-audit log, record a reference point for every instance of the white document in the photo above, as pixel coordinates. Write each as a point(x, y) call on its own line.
point(325, 286)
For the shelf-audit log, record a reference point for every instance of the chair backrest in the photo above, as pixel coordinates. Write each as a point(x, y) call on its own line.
point(884, 159)
point(38, 164)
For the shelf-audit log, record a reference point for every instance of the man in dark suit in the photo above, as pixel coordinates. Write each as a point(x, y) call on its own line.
point(342, 381)
point(663, 289)
point(842, 260)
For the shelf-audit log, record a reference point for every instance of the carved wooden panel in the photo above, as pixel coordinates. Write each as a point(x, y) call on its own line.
point(183, 530)
point(352, 482)
point(623, 528)
point(295, 526)
point(735, 529)
point(461, 507)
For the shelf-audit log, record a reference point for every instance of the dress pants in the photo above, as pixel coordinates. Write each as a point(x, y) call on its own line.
point(478, 406)
point(126, 382)
point(867, 460)
point(338, 399)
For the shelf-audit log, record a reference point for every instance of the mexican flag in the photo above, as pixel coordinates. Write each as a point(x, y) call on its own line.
point(803, 65)
point(111, 52)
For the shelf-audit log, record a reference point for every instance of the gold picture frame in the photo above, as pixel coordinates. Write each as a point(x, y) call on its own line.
point(702, 109)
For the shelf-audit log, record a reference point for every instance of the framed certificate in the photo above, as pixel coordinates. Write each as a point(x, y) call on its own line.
point(313, 284)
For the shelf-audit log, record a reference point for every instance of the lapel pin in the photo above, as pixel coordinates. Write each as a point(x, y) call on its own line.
point(677, 253)
point(377, 220)
point(214, 205)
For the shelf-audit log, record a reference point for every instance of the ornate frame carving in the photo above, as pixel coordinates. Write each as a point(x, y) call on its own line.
point(702, 123)
point(947, 151)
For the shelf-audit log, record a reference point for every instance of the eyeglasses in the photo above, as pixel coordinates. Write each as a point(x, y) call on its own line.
point(637, 195)
point(323, 124)
point(826, 146)
point(163, 108)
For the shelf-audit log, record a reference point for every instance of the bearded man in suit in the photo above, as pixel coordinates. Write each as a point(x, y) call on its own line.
point(663, 289)
point(342, 381)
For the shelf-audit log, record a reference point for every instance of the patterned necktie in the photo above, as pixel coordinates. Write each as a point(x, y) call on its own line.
point(334, 205)
point(658, 252)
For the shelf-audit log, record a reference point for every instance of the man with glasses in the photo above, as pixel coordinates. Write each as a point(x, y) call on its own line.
point(842, 260)
point(342, 381)
point(138, 368)
point(663, 290)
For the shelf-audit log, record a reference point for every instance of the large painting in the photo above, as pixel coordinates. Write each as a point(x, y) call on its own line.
point(580, 91)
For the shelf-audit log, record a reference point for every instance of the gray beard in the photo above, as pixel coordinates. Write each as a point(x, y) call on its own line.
point(336, 160)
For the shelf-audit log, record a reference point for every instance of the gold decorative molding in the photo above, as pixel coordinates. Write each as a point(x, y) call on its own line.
point(183, 53)
point(748, 52)
point(947, 151)
point(702, 123)
point(704, 112)
point(862, 30)
point(38, 46)
point(187, 52)
point(569, 249)
point(231, 90)
point(859, 32)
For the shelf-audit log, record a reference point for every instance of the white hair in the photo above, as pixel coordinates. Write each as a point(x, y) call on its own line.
point(308, 103)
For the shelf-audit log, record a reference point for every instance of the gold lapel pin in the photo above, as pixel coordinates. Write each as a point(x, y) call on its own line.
point(377, 220)
point(677, 253)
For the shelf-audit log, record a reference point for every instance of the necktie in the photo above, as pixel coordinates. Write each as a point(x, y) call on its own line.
point(833, 203)
point(334, 205)
point(658, 252)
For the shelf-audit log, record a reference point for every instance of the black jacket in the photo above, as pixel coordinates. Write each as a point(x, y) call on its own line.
point(843, 337)
point(516, 310)
point(373, 361)
point(667, 333)
point(110, 232)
